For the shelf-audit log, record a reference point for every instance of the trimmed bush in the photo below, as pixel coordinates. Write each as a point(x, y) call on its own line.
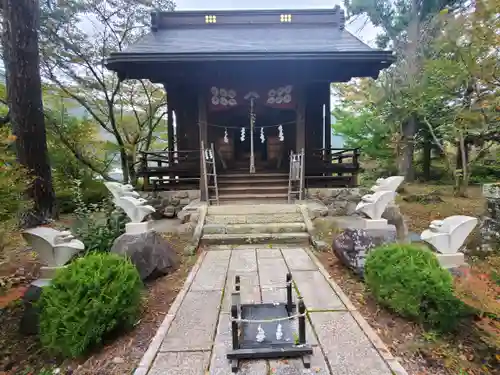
point(86, 301)
point(408, 279)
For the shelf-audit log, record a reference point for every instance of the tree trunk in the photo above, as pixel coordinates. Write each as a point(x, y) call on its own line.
point(427, 157)
point(405, 164)
point(462, 179)
point(24, 93)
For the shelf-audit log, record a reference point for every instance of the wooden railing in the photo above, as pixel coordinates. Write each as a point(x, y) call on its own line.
point(175, 170)
point(335, 167)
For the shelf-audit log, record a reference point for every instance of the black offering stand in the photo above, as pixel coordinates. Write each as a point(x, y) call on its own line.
point(246, 318)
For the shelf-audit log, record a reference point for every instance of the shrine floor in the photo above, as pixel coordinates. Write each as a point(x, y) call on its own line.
point(195, 335)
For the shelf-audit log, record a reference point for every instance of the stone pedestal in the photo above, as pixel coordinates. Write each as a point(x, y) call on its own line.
point(490, 224)
point(30, 318)
point(138, 228)
point(374, 224)
point(450, 261)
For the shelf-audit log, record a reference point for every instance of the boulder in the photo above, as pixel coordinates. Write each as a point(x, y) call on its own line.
point(352, 246)
point(149, 252)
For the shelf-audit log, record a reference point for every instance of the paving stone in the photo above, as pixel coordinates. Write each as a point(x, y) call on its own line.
point(295, 366)
point(219, 364)
point(212, 273)
point(272, 272)
point(194, 324)
point(243, 261)
point(298, 260)
point(316, 291)
point(249, 289)
point(346, 347)
point(180, 363)
point(264, 253)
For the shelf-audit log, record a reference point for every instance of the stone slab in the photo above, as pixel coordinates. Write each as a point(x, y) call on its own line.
point(219, 365)
point(249, 289)
point(298, 260)
point(264, 253)
point(316, 291)
point(243, 261)
point(212, 273)
point(180, 363)
point(272, 272)
point(194, 324)
point(295, 366)
point(346, 347)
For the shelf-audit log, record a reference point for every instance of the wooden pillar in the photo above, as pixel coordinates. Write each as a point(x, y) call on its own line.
point(328, 116)
point(170, 130)
point(301, 120)
point(202, 125)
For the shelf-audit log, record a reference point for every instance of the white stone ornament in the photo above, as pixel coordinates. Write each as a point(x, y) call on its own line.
point(262, 136)
point(226, 139)
point(261, 335)
point(388, 184)
point(242, 135)
point(448, 236)
point(374, 205)
point(135, 208)
point(118, 190)
point(54, 248)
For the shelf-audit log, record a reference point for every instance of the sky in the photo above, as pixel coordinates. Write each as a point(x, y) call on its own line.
point(363, 30)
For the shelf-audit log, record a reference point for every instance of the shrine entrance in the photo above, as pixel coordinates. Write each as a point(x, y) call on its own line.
point(252, 135)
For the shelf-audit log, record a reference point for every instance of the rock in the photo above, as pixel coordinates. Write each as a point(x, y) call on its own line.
point(29, 321)
point(353, 245)
point(149, 252)
point(320, 245)
point(170, 212)
point(118, 360)
point(394, 217)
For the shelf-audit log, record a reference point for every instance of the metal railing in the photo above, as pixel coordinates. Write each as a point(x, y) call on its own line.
point(296, 176)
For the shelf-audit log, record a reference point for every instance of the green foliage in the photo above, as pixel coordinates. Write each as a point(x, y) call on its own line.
point(13, 183)
point(408, 279)
point(92, 297)
point(93, 193)
point(97, 225)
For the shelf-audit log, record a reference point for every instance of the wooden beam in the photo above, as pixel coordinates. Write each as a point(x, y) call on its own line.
point(301, 119)
point(202, 124)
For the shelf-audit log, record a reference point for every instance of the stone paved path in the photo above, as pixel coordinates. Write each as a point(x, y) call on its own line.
point(195, 336)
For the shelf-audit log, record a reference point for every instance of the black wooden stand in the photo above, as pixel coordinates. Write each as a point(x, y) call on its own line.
point(244, 333)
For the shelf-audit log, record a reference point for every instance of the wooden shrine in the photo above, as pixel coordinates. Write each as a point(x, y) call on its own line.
point(256, 84)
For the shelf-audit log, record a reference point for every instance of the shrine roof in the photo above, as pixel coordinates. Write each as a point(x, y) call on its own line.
point(251, 34)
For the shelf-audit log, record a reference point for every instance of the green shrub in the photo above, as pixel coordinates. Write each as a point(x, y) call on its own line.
point(408, 279)
point(93, 192)
point(93, 296)
point(96, 225)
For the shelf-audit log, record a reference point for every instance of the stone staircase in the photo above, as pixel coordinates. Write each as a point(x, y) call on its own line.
point(255, 224)
point(256, 187)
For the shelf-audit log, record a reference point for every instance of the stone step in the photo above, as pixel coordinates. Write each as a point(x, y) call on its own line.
point(300, 239)
point(255, 176)
point(254, 228)
point(253, 209)
point(253, 190)
point(259, 196)
point(254, 218)
point(252, 181)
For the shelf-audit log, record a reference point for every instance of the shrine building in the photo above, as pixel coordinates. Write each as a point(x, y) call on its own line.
point(250, 91)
